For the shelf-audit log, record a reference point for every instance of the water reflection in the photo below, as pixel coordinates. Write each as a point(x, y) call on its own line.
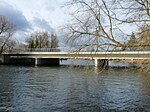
point(36, 89)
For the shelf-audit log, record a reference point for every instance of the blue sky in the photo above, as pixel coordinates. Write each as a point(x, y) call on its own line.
point(33, 15)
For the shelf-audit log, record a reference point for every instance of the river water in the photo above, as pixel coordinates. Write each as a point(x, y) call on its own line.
point(73, 89)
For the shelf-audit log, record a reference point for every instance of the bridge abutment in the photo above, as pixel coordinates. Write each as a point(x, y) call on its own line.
point(102, 63)
point(5, 59)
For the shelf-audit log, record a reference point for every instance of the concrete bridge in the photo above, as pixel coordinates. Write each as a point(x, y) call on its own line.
point(52, 58)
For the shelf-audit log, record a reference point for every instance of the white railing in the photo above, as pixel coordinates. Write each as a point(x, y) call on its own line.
point(43, 50)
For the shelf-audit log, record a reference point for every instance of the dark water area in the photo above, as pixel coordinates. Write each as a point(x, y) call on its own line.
point(73, 89)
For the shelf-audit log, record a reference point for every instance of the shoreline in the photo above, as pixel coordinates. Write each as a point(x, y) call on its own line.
point(142, 65)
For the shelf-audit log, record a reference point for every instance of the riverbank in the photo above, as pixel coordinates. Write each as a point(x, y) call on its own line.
point(142, 65)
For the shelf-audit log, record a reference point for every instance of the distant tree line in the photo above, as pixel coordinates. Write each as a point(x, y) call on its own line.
point(42, 40)
point(36, 40)
point(142, 37)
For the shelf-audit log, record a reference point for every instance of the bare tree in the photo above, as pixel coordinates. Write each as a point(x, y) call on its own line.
point(92, 24)
point(53, 41)
point(98, 22)
point(134, 11)
point(133, 40)
point(6, 32)
point(144, 33)
point(38, 40)
point(144, 36)
point(11, 45)
point(42, 40)
point(137, 13)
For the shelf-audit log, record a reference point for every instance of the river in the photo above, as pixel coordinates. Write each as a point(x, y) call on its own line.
point(73, 89)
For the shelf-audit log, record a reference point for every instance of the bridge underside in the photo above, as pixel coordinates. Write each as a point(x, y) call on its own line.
point(32, 61)
point(8, 60)
point(47, 62)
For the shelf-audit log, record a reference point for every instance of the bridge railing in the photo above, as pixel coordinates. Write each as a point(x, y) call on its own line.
point(34, 50)
point(61, 49)
point(43, 50)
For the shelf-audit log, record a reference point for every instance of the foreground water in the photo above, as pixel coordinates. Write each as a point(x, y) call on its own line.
point(69, 89)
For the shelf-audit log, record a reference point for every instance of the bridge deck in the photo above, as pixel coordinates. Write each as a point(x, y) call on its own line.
point(84, 55)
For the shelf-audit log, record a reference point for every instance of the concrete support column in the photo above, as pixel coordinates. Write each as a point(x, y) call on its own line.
point(106, 64)
point(97, 62)
point(36, 61)
point(1, 59)
point(101, 63)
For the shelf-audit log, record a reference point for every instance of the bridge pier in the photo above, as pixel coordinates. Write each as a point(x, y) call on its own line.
point(36, 61)
point(102, 63)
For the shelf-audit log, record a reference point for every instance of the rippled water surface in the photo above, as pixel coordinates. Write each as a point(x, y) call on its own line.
point(69, 89)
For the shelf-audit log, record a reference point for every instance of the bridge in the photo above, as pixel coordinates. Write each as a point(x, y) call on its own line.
point(52, 56)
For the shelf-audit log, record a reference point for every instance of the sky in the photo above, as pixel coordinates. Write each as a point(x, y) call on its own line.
point(33, 15)
point(29, 16)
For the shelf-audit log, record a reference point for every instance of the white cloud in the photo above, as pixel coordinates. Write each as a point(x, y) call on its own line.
point(35, 15)
point(50, 10)
point(14, 16)
point(42, 24)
